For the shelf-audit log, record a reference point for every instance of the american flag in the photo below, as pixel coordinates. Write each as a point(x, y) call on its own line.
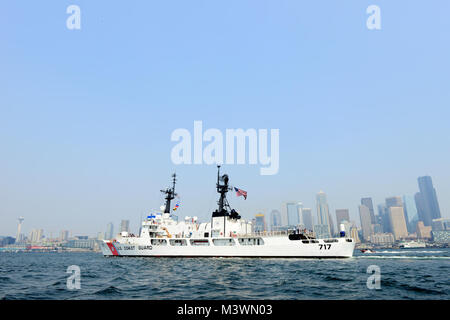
point(240, 192)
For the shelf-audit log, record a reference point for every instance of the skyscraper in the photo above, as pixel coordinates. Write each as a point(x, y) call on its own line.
point(125, 226)
point(342, 215)
point(64, 235)
point(260, 223)
point(398, 222)
point(275, 220)
point(323, 213)
point(409, 206)
point(109, 234)
point(292, 214)
point(307, 218)
point(36, 235)
point(383, 217)
point(366, 222)
point(426, 201)
point(369, 204)
point(394, 202)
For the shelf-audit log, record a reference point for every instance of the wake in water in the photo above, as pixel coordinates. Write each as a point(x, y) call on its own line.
point(403, 257)
point(410, 251)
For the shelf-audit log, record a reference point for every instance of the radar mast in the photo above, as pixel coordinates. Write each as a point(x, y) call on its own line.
point(170, 194)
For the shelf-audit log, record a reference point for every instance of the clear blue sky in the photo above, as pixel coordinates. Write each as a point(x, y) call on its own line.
point(86, 115)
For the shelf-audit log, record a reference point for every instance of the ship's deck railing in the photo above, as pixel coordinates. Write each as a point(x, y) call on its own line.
point(271, 234)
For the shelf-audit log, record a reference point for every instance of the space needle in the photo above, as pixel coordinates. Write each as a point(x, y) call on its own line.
point(19, 227)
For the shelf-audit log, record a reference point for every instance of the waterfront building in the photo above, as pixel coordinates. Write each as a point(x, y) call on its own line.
point(81, 243)
point(369, 204)
point(382, 239)
point(441, 237)
point(440, 224)
point(398, 223)
point(422, 231)
point(366, 222)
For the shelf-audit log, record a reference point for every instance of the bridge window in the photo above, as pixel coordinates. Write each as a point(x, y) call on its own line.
point(224, 242)
point(178, 242)
point(199, 242)
point(159, 242)
point(251, 241)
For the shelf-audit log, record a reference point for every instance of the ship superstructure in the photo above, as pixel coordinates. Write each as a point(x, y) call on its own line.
point(225, 235)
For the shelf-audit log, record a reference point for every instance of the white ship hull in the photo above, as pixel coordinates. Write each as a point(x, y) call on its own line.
point(273, 247)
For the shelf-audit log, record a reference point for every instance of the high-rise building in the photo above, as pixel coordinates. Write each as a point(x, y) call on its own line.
point(64, 235)
point(394, 202)
point(409, 206)
point(36, 235)
point(322, 231)
point(354, 234)
point(426, 201)
point(398, 222)
point(307, 218)
point(275, 220)
point(330, 221)
point(347, 227)
point(292, 213)
point(260, 223)
point(323, 212)
point(125, 226)
point(342, 215)
point(366, 222)
point(369, 204)
point(383, 217)
point(109, 234)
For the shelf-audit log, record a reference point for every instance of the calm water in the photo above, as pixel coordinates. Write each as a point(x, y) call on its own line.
point(405, 274)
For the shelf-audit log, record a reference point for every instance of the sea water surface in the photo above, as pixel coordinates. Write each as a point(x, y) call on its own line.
point(404, 274)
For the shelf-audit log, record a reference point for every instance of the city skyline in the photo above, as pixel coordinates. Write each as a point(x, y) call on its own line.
point(321, 199)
